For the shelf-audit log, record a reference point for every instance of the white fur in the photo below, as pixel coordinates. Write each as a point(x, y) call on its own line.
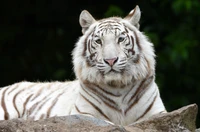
point(133, 74)
point(67, 98)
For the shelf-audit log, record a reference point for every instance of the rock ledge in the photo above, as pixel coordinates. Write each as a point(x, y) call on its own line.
point(182, 120)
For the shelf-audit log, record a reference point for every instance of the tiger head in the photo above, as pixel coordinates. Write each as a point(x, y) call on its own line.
point(113, 51)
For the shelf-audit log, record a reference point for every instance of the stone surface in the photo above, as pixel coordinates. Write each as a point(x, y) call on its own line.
point(74, 123)
point(179, 120)
point(197, 130)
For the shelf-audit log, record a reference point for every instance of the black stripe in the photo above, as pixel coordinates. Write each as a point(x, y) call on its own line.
point(136, 36)
point(97, 108)
point(6, 114)
point(102, 33)
point(100, 30)
point(103, 25)
point(36, 104)
point(85, 46)
point(148, 109)
point(109, 21)
point(148, 65)
point(86, 43)
point(116, 28)
point(14, 101)
point(132, 49)
point(30, 111)
point(38, 92)
point(89, 94)
point(98, 93)
point(126, 29)
point(25, 103)
point(102, 89)
point(142, 87)
point(139, 92)
point(109, 93)
point(109, 102)
point(124, 33)
point(115, 32)
point(132, 39)
point(128, 92)
point(128, 38)
point(105, 30)
point(127, 44)
point(13, 89)
point(122, 63)
point(91, 45)
point(53, 104)
point(116, 25)
point(77, 109)
point(42, 104)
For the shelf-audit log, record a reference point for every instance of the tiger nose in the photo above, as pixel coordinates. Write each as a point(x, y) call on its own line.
point(111, 61)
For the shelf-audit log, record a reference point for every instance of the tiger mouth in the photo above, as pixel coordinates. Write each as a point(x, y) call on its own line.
point(112, 71)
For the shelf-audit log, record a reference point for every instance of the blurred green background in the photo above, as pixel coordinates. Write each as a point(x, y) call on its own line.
point(37, 37)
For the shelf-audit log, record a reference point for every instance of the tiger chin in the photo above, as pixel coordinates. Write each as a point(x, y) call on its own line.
point(115, 69)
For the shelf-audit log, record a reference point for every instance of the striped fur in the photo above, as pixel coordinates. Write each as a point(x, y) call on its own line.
point(115, 69)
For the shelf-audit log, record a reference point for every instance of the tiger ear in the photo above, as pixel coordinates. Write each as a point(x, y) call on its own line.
point(134, 17)
point(85, 20)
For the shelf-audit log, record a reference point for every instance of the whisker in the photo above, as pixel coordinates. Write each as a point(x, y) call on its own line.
point(100, 66)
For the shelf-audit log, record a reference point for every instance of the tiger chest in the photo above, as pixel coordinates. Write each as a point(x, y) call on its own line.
point(112, 110)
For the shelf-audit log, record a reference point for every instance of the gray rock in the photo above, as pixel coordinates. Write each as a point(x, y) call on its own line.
point(197, 130)
point(73, 123)
point(179, 120)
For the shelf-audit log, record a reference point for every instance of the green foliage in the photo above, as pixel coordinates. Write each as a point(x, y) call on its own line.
point(180, 6)
point(177, 45)
point(114, 10)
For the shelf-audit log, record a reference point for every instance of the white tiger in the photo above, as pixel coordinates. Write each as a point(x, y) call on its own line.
point(115, 69)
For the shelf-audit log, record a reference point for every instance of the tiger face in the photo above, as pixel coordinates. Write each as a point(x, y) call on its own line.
point(110, 50)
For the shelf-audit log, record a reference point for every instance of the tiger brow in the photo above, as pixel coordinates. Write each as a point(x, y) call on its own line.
point(123, 32)
point(113, 23)
point(109, 21)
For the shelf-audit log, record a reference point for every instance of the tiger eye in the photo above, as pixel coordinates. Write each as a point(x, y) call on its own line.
point(121, 39)
point(98, 41)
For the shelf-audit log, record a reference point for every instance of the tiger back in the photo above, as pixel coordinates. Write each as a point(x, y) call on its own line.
point(115, 69)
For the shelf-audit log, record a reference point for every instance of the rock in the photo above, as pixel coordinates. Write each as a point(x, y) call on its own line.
point(197, 130)
point(73, 123)
point(179, 120)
